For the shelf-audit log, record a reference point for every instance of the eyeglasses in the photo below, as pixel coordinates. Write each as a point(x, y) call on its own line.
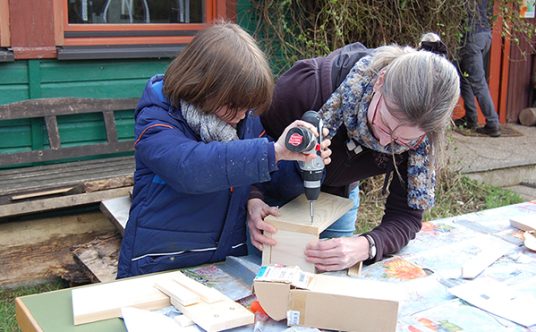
point(386, 118)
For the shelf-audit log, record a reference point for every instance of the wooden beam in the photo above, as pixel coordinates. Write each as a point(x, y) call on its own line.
point(38, 108)
point(60, 202)
point(103, 301)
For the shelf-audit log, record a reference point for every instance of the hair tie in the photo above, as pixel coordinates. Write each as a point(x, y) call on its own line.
point(437, 47)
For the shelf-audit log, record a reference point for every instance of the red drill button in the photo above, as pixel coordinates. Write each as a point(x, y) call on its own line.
point(295, 139)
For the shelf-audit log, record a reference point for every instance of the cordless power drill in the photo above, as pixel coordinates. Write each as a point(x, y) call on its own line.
point(300, 139)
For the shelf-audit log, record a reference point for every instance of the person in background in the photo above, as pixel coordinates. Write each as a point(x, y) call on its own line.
point(475, 48)
point(387, 110)
point(198, 150)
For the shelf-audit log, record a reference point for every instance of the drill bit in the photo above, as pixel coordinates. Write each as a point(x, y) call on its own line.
point(311, 211)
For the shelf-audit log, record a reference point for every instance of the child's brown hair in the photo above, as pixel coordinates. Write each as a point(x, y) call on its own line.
point(222, 66)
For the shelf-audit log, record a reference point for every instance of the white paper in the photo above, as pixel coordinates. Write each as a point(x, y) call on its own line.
point(139, 320)
point(510, 302)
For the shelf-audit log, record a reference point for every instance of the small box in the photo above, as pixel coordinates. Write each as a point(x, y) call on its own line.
point(326, 301)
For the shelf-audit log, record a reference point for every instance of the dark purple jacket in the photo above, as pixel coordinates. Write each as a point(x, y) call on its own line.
point(306, 86)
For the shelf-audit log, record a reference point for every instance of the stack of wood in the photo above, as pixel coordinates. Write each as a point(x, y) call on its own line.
point(43, 188)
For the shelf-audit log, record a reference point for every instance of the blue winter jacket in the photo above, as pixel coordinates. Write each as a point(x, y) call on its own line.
point(189, 199)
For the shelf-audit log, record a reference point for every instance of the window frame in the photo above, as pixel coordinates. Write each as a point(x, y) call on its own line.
point(88, 35)
point(5, 37)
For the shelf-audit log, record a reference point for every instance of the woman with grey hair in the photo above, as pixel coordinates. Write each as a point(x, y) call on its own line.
point(386, 110)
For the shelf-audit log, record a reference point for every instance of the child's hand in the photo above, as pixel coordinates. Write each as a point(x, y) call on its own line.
point(282, 153)
point(257, 211)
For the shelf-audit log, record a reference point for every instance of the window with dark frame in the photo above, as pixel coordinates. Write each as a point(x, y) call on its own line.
point(135, 11)
point(132, 28)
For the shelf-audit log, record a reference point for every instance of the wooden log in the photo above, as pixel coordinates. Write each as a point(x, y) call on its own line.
point(527, 116)
point(98, 258)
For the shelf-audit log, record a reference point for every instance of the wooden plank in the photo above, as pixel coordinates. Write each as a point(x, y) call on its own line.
point(219, 316)
point(65, 153)
point(60, 202)
point(104, 301)
point(180, 293)
point(290, 249)
point(211, 310)
point(109, 123)
point(355, 271)
point(41, 193)
point(73, 165)
point(53, 132)
point(207, 294)
point(24, 318)
point(117, 211)
point(104, 184)
point(69, 178)
point(99, 257)
point(64, 175)
point(294, 216)
point(41, 107)
point(72, 182)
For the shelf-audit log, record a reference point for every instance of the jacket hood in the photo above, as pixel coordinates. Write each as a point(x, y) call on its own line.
point(153, 95)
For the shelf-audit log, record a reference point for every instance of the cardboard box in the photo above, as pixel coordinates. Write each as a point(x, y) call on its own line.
point(325, 301)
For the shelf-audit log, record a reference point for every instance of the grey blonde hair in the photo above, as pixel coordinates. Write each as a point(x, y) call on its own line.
point(222, 66)
point(430, 37)
point(423, 88)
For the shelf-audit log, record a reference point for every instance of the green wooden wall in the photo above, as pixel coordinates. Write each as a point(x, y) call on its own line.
point(28, 79)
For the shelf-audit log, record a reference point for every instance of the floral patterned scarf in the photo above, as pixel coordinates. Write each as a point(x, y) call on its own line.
point(349, 104)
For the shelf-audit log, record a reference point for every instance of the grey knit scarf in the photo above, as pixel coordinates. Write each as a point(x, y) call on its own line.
point(208, 126)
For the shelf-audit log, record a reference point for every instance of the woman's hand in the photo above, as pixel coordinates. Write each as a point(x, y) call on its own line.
point(257, 211)
point(325, 152)
point(338, 253)
point(282, 153)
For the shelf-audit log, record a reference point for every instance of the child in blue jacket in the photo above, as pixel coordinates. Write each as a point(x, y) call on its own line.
point(197, 153)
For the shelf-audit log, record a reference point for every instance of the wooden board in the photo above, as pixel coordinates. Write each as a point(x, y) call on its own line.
point(99, 257)
point(290, 248)
point(294, 228)
point(60, 202)
point(117, 210)
point(294, 216)
point(103, 301)
point(205, 306)
point(30, 179)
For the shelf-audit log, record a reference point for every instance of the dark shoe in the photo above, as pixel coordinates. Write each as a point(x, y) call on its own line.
point(493, 132)
point(462, 123)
